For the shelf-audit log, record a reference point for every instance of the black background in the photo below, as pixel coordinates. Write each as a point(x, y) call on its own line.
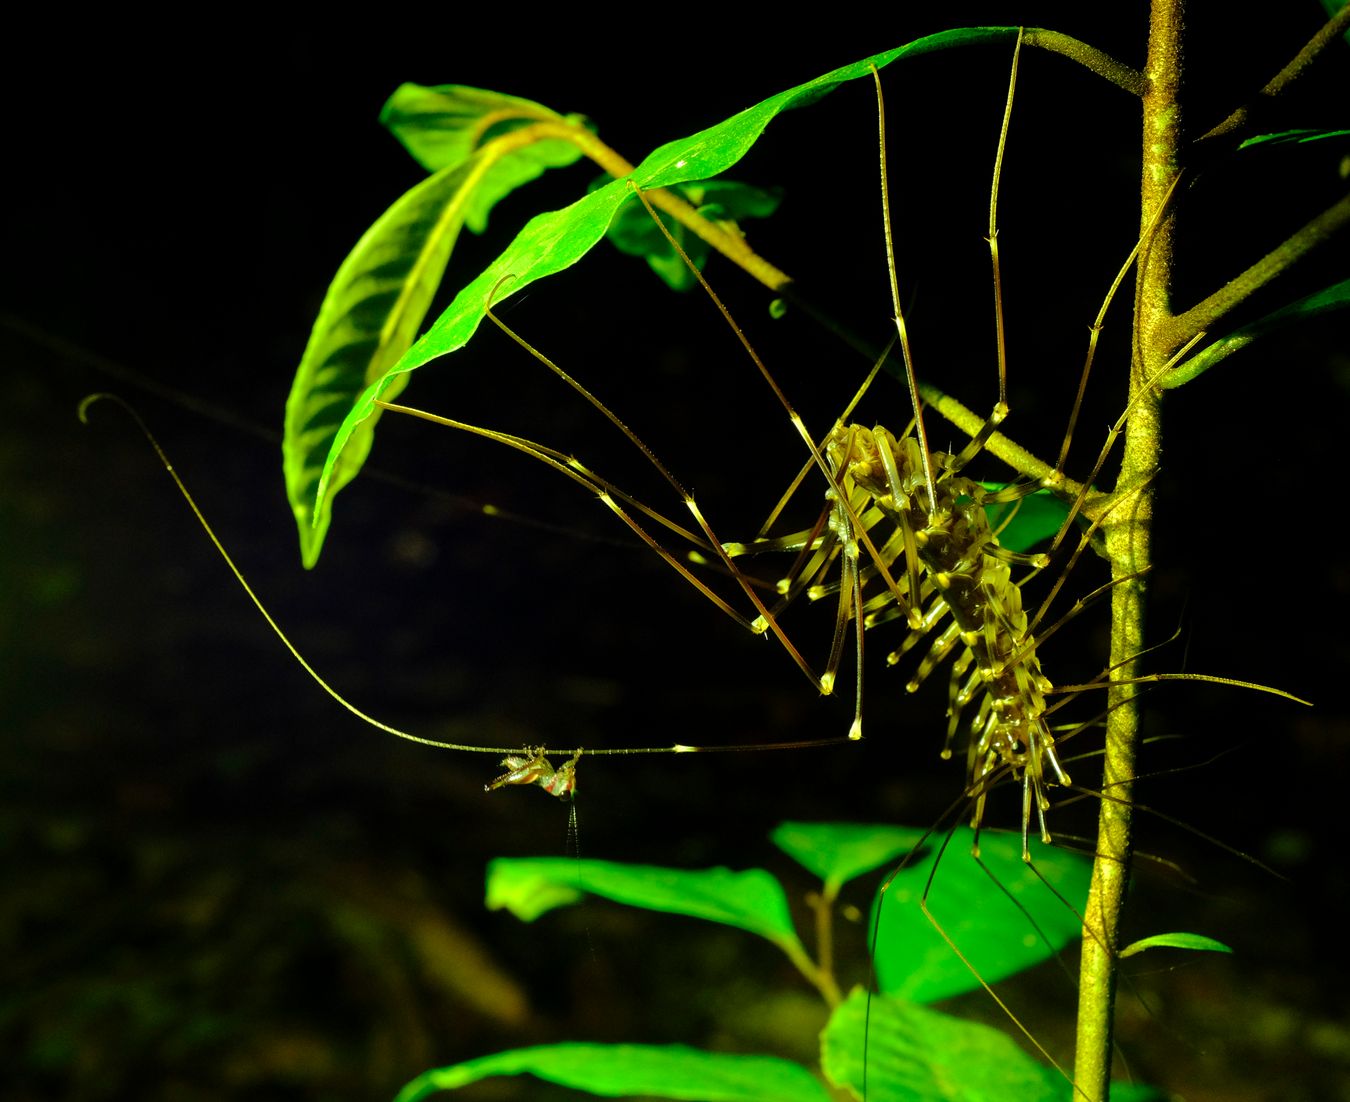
point(219, 884)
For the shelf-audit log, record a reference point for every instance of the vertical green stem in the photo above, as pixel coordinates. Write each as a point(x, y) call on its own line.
point(1128, 540)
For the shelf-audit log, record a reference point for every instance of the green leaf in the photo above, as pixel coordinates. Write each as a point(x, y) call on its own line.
point(1138, 1092)
point(921, 1055)
point(620, 1071)
point(997, 911)
point(751, 900)
point(1038, 516)
point(633, 232)
point(1335, 297)
point(636, 235)
point(445, 124)
point(373, 309)
point(1293, 137)
point(553, 242)
point(368, 319)
point(518, 886)
point(1197, 942)
point(838, 852)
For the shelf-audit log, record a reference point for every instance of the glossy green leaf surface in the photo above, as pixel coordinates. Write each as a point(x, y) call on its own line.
point(751, 900)
point(1195, 942)
point(1335, 297)
point(991, 909)
point(838, 852)
point(920, 1055)
point(552, 242)
point(621, 1071)
point(445, 124)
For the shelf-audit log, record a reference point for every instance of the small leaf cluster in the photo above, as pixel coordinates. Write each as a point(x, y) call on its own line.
point(997, 909)
point(479, 146)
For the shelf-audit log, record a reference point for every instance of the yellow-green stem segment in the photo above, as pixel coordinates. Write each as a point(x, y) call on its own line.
point(1128, 537)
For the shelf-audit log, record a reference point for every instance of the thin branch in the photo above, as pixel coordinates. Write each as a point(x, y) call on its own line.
point(1334, 27)
point(1104, 65)
point(1005, 448)
point(1177, 330)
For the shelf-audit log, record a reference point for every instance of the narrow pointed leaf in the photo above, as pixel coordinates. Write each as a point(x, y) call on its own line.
point(1196, 942)
point(373, 310)
point(838, 852)
point(552, 242)
point(622, 1071)
point(1335, 297)
point(368, 319)
point(1293, 137)
point(751, 900)
point(445, 124)
point(997, 911)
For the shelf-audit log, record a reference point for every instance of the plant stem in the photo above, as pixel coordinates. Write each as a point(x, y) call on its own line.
point(1118, 73)
point(1000, 445)
point(1177, 330)
point(1330, 32)
point(1128, 538)
point(822, 904)
point(819, 978)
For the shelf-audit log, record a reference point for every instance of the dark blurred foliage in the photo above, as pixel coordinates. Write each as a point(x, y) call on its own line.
point(217, 884)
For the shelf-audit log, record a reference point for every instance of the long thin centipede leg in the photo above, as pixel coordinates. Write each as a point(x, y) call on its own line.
point(765, 620)
point(572, 469)
point(980, 574)
point(934, 861)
